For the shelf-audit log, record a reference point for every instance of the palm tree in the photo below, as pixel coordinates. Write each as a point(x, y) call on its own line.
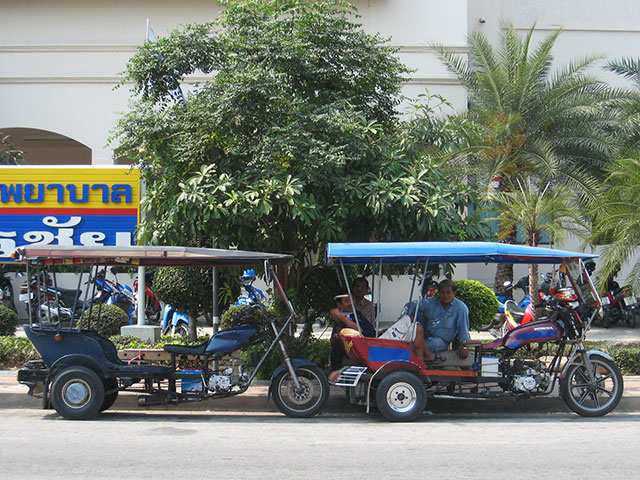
point(617, 218)
point(533, 122)
point(538, 210)
point(616, 212)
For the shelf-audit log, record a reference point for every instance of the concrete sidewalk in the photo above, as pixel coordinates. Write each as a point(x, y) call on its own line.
point(254, 400)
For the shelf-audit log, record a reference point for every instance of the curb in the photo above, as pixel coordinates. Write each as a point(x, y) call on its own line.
point(255, 401)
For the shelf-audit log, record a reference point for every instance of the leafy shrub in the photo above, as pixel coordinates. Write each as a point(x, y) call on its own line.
point(127, 341)
point(8, 321)
point(481, 300)
point(16, 351)
point(313, 349)
point(627, 357)
point(317, 291)
point(242, 315)
point(106, 319)
point(186, 289)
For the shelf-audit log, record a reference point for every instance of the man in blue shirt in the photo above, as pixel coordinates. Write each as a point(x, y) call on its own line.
point(443, 318)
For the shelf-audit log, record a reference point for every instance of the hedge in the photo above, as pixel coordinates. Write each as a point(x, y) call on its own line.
point(8, 321)
point(106, 319)
point(482, 302)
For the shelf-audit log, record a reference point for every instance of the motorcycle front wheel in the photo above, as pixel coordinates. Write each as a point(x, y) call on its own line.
point(597, 398)
point(304, 401)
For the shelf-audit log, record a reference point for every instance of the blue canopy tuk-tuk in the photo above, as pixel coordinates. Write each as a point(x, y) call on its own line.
point(530, 360)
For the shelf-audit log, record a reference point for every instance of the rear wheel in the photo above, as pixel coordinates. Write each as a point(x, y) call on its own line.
point(593, 398)
point(303, 401)
point(111, 394)
point(77, 393)
point(401, 397)
point(630, 317)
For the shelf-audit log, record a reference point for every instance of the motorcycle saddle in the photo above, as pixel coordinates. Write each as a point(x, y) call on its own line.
point(187, 349)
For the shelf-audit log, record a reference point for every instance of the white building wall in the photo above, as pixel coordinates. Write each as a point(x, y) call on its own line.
point(60, 61)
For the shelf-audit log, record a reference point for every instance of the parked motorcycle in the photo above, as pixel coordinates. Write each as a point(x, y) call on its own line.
point(175, 322)
point(6, 290)
point(619, 305)
point(249, 294)
point(152, 307)
point(120, 294)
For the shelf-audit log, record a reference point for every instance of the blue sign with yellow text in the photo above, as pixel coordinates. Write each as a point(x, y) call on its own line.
point(67, 206)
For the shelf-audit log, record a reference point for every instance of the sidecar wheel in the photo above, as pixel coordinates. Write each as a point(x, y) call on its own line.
point(401, 397)
point(306, 401)
point(77, 393)
point(599, 398)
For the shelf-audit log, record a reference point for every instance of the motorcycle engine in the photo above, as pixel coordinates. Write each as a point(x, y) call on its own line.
point(227, 379)
point(530, 377)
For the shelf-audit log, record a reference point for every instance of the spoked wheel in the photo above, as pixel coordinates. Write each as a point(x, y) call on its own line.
point(77, 393)
point(304, 401)
point(597, 398)
point(401, 397)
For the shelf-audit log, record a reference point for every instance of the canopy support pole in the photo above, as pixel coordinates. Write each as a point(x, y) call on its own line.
point(353, 307)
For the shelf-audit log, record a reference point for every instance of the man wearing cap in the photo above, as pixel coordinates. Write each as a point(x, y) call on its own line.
point(344, 317)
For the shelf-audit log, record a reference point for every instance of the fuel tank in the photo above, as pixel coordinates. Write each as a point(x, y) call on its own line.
point(532, 333)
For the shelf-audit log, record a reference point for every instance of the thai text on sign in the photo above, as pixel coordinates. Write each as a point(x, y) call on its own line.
point(68, 206)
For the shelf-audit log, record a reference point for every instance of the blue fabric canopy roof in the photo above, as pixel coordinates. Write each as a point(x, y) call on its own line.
point(445, 252)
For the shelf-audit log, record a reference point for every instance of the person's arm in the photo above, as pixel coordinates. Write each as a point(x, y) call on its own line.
point(463, 333)
point(337, 315)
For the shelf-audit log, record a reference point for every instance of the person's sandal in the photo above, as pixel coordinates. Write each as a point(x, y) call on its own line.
point(437, 360)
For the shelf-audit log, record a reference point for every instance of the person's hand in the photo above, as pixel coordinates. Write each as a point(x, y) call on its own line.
point(463, 352)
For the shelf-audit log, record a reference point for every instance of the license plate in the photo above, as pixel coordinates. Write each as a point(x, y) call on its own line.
point(25, 297)
point(605, 301)
point(628, 301)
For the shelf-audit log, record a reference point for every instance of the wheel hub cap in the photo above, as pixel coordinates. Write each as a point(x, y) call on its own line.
point(76, 393)
point(401, 397)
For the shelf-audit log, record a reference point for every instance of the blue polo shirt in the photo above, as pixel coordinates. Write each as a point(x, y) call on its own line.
point(441, 325)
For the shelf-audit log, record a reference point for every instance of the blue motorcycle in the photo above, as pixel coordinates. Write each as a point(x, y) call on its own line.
point(175, 322)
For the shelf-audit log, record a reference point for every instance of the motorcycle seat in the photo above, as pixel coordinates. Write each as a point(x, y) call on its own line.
point(187, 349)
point(71, 292)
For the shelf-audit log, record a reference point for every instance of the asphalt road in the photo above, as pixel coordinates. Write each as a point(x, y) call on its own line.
point(38, 444)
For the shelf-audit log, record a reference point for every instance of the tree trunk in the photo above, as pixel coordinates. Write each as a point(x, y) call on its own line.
point(193, 332)
point(504, 271)
point(533, 283)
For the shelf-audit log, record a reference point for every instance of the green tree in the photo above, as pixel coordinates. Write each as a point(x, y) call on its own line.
point(9, 155)
point(616, 219)
point(555, 126)
point(538, 210)
point(292, 142)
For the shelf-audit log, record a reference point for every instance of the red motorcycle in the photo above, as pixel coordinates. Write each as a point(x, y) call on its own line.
point(152, 307)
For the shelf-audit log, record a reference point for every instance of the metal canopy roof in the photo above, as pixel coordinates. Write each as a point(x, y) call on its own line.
point(144, 256)
point(445, 252)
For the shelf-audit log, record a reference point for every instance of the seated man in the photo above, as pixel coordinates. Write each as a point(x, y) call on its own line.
point(443, 318)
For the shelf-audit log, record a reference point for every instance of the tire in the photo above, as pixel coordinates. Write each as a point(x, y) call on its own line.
point(152, 313)
point(109, 398)
point(605, 320)
point(181, 329)
point(307, 402)
point(630, 317)
point(77, 393)
point(401, 397)
point(596, 400)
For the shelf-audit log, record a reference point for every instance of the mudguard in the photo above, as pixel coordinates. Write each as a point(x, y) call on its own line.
point(296, 362)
